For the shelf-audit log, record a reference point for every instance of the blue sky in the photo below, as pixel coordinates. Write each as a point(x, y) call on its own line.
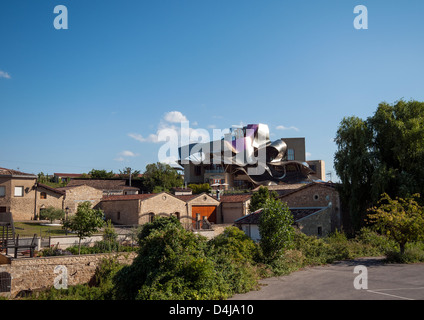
point(95, 95)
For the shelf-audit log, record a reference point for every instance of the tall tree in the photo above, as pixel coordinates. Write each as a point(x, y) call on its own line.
point(161, 177)
point(382, 154)
point(276, 228)
point(259, 198)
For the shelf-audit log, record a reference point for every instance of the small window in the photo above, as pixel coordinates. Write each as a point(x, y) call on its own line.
point(319, 232)
point(43, 195)
point(290, 154)
point(151, 216)
point(197, 170)
point(176, 215)
point(19, 191)
point(118, 216)
point(316, 197)
point(2, 191)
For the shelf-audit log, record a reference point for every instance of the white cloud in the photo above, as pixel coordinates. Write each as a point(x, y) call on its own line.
point(5, 75)
point(151, 138)
point(127, 153)
point(174, 117)
point(308, 155)
point(287, 128)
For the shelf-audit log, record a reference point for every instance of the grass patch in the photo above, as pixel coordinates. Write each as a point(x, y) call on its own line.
point(28, 229)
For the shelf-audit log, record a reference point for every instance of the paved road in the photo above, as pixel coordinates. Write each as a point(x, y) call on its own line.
point(336, 282)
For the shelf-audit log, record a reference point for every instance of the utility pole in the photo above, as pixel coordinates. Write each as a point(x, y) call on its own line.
point(129, 169)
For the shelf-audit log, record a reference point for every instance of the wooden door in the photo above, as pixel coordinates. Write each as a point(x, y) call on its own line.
point(204, 211)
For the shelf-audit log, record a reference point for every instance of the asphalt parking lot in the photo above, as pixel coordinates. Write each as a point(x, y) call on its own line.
point(337, 282)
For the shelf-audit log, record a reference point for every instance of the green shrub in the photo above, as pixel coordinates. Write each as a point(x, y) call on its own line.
point(171, 264)
point(414, 252)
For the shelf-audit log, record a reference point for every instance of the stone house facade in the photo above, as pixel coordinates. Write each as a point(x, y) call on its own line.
point(139, 209)
point(142, 208)
point(73, 196)
point(234, 206)
point(109, 187)
point(17, 193)
point(317, 195)
point(310, 221)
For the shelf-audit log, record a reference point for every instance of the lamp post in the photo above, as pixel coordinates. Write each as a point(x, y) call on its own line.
point(66, 219)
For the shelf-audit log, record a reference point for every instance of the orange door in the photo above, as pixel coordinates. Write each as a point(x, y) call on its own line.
point(204, 211)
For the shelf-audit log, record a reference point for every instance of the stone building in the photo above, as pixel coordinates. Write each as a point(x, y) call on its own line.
point(17, 193)
point(200, 206)
point(142, 208)
point(316, 194)
point(73, 196)
point(109, 187)
point(234, 206)
point(310, 221)
point(139, 209)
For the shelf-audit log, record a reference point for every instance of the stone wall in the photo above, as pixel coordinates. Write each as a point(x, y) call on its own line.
point(30, 274)
point(162, 204)
point(316, 195)
point(310, 224)
point(75, 195)
point(124, 212)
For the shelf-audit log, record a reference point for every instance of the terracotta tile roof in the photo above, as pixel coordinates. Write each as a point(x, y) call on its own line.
point(189, 197)
point(235, 197)
point(142, 197)
point(312, 184)
point(56, 190)
point(101, 184)
point(68, 175)
point(186, 197)
point(11, 172)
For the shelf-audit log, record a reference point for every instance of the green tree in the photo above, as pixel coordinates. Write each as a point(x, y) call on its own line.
point(399, 219)
point(101, 174)
point(259, 198)
point(382, 154)
point(127, 171)
point(51, 213)
point(161, 177)
point(85, 222)
point(199, 188)
point(275, 228)
point(354, 165)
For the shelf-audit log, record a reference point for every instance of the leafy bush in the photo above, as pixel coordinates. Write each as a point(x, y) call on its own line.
point(414, 252)
point(234, 254)
point(174, 263)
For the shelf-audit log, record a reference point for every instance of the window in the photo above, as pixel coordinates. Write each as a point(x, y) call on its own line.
point(197, 170)
point(43, 195)
point(3, 209)
point(118, 216)
point(151, 216)
point(2, 191)
point(19, 191)
point(5, 282)
point(316, 197)
point(176, 215)
point(319, 231)
point(290, 154)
